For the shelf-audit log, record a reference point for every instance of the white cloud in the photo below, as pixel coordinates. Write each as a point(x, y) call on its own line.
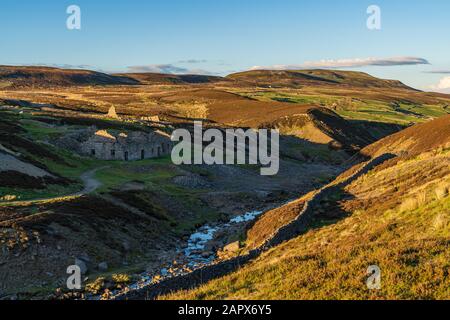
point(166, 69)
point(438, 71)
point(348, 63)
point(158, 68)
point(190, 61)
point(59, 66)
point(442, 86)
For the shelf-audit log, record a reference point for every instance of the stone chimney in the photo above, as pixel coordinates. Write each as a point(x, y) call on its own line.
point(112, 113)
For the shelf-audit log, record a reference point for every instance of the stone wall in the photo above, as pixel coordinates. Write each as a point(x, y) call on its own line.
point(136, 146)
point(128, 152)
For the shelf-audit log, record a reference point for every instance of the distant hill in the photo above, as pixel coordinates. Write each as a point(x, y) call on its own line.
point(12, 77)
point(160, 78)
point(40, 77)
point(295, 79)
point(245, 99)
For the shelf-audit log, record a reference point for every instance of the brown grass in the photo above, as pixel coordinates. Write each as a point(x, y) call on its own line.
point(396, 217)
point(415, 140)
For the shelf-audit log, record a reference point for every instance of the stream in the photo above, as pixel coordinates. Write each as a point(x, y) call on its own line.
point(193, 256)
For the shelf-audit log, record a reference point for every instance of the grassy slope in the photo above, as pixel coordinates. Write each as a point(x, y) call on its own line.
point(331, 262)
point(354, 95)
point(397, 216)
point(298, 78)
point(156, 178)
point(409, 242)
point(58, 161)
point(351, 105)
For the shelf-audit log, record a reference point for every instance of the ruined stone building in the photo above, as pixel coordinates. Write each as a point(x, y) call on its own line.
point(124, 146)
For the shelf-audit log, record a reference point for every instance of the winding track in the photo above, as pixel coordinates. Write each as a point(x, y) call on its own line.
point(90, 184)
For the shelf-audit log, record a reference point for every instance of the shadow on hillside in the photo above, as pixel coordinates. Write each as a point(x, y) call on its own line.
point(352, 134)
point(377, 130)
point(332, 210)
point(338, 202)
point(291, 147)
point(347, 143)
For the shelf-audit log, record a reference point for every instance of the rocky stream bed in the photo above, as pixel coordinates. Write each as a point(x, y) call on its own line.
point(194, 256)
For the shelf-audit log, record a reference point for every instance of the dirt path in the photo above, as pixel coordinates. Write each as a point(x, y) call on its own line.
point(90, 184)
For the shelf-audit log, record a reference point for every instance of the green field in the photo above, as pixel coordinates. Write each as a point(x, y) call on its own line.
point(358, 109)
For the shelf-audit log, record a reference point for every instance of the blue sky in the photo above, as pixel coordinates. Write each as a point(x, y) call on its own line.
point(222, 37)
